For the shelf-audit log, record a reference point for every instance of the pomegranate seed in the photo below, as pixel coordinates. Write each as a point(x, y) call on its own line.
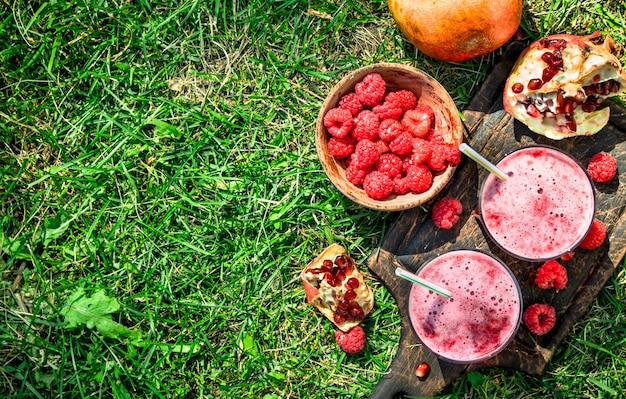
point(343, 304)
point(615, 86)
point(422, 370)
point(350, 295)
point(535, 84)
point(315, 270)
point(532, 111)
point(340, 260)
point(328, 277)
point(517, 88)
point(353, 282)
point(339, 318)
point(569, 107)
point(548, 73)
point(336, 282)
point(355, 310)
point(340, 275)
point(548, 58)
point(570, 123)
point(327, 265)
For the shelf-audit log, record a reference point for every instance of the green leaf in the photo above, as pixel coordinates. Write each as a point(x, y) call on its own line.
point(55, 227)
point(95, 311)
point(475, 378)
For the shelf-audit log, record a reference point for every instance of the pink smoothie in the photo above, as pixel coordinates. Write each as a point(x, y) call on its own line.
point(482, 315)
point(544, 209)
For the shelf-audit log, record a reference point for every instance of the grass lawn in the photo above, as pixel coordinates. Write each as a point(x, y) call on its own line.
point(159, 157)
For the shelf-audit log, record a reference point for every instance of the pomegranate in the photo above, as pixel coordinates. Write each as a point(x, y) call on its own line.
point(334, 285)
point(453, 30)
point(558, 85)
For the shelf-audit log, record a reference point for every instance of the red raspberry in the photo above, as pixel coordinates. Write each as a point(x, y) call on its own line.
point(551, 275)
point(435, 136)
point(418, 121)
point(365, 154)
point(366, 126)
point(446, 212)
point(568, 256)
point(420, 154)
point(401, 185)
point(438, 157)
point(352, 341)
point(404, 99)
point(382, 146)
point(356, 175)
point(540, 318)
point(390, 129)
point(389, 164)
point(403, 144)
point(419, 178)
point(371, 90)
point(339, 122)
point(341, 147)
point(596, 235)
point(352, 103)
point(388, 110)
point(377, 185)
point(602, 167)
point(453, 154)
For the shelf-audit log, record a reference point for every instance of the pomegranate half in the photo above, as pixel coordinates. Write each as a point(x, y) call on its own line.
point(559, 83)
point(453, 30)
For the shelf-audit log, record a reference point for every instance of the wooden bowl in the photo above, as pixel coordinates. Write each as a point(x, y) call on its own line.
point(428, 91)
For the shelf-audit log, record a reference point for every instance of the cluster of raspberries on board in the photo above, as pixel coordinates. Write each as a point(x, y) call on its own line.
point(387, 139)
point(540, 318)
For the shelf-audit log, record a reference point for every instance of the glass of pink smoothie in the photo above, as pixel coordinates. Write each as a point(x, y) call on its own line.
point(480, 318)
point(545, 207)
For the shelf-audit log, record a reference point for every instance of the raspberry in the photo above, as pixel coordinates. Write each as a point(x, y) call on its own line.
point(356, 175)
point(453, 154)
point(371, 90)
point(403, 144)
point(388, 110)
point(551, 275)
point(596, 235)
point(389, 164)
point(366, 126)
point(390, 129)
point(568, 256)
point(446, 212)
point(419, 178)
point(404, 99)
point(540, 318)
point(401, 185)
point(341, 147)
point(339, 122)
point(602, 167)
point(352, 341)
point(352, 103)
point(365, 154)
point(378, 185)
point(418, 121)
point(435, 136)
point(420, 154)
point(382, 146)
point(438, 157)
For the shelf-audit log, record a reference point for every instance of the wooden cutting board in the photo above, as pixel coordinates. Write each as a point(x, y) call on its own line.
point(412, 239)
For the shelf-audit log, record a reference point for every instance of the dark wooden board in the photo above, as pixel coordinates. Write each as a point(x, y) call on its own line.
point(412, 238)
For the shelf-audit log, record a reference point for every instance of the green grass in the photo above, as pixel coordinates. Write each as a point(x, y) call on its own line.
point(164, 152)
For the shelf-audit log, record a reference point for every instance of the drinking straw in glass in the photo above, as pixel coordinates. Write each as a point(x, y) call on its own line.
point(424, 283)
point(479, 159)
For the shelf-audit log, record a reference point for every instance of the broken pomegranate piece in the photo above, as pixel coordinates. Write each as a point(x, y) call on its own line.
point(335, 286)
point(559, 83)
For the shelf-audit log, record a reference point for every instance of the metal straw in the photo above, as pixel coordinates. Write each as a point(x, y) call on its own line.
point(470, 152)
point(418, 280)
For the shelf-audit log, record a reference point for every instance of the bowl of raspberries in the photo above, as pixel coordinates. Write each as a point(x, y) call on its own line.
point(387, 136)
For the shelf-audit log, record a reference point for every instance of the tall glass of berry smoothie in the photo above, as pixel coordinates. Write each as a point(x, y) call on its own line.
point(545, 207)
point(480, 318)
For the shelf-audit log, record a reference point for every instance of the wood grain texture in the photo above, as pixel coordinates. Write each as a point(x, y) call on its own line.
point(412, 239)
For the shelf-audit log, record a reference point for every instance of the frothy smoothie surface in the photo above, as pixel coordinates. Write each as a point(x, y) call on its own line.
point(545, 207)
point(482, 315)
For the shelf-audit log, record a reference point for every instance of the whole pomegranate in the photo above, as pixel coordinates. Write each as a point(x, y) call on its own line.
point(558, 85)
point(457, 30)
